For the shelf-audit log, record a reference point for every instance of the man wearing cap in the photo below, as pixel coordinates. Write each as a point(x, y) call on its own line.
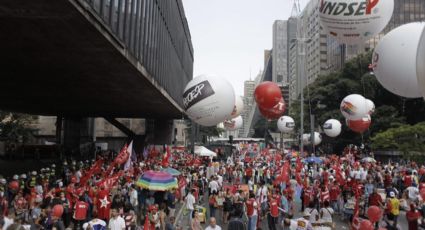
point(394, 208)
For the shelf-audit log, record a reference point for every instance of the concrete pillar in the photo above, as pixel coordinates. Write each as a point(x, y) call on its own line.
point(59, 130)
point(163, 132)
point(72, 135)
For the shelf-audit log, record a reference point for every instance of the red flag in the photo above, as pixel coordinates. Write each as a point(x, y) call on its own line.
point(119, 160)
point(96, 168)
point(109, 182)
point(166, 157)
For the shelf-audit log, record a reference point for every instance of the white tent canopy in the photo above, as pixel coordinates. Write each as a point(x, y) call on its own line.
point(204, 152)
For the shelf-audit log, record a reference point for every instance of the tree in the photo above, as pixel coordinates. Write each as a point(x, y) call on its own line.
point(408, 139)
point(15, 127)
point(323, 98)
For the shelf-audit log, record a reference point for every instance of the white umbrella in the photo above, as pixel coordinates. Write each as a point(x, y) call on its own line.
point(204, 152)
point(369, 160)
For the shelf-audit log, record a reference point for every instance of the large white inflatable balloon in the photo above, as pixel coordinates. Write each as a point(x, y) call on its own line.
point(238, 109)
point(317, 138)
point(332, 128)
point(354, 21)
point(286, 124)
point(354, 107)
point(370, 106)
point(208, 100)
point(420, 63)
point(233, 124)
point(394, 60)
point(305, 138)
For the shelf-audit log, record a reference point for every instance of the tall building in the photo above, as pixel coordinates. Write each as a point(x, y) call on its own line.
point(319, 54)
point(280, 51)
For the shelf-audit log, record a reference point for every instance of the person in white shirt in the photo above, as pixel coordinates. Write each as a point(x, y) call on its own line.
point(213, 225)
point(116, 222)
point(220, 180)
point(313, 214)
point(134, 201)
point(213, 186)
point(326, 213)
point(262, 196)
point(190, 204)
point(412, 193)
point(8, 220)
point(300, 223)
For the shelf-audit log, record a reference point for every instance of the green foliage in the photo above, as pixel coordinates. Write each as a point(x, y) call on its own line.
point(409, 139)
point(326, 93)
point(16, 127)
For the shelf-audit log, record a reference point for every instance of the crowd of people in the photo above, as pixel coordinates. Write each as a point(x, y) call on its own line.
point(250, 190)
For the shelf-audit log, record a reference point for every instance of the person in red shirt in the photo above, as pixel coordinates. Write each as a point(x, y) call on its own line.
point(408, 180)
point(375, 199)
point(80, 214)
point(103, 203)
point(334, 194)
point(388, 180)
point(273, 214)
point(252, 212)
point(412, 217)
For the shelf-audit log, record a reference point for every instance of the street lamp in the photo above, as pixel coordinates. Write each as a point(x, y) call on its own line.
point(301, 52)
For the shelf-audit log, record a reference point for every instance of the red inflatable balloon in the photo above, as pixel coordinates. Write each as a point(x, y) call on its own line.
point(359, 126)
point(267, 94)
point(274, 113)
point(14, 185)
point(366, 225)
point(57, 211)
point(374, 213)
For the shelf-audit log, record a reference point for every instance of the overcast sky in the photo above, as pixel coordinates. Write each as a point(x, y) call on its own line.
point(229, 36)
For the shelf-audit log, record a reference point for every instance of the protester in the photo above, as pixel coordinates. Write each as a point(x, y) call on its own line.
point(213, 225)
point(259, 188)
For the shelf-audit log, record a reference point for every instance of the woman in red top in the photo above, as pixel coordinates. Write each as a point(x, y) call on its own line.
point(412, 217)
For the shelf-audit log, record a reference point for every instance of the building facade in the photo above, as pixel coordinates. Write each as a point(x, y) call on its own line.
point(280, 51)
point(322, 53)
point(105, 132)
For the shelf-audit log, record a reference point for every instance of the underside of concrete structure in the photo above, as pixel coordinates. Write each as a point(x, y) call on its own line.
point(59, 58)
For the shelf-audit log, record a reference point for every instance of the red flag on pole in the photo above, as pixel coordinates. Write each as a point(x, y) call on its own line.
point(147, 224)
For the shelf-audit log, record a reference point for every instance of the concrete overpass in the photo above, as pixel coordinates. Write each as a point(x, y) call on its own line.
point(94, 58)
point(89, 58)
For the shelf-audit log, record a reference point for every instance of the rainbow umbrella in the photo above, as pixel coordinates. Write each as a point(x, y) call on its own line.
point(173, 172)
point(157, 181)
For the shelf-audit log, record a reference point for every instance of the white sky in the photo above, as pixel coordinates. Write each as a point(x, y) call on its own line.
point(229, 36)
